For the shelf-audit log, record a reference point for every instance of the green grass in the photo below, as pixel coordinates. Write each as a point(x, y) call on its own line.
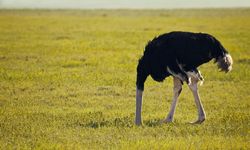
point(67, 81)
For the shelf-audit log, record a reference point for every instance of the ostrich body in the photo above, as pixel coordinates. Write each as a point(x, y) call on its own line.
point(178, 54)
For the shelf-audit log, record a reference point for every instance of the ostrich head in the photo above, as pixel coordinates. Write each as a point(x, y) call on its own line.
point(225, 63)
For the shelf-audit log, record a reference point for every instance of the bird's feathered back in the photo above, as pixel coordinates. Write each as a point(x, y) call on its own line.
point(175, 48)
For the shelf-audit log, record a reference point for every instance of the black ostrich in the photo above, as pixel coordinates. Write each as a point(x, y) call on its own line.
point(178, 54)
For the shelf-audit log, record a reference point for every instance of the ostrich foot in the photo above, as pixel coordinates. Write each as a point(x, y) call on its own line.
point(167, 120)
point(199, 121)
point(138, 122)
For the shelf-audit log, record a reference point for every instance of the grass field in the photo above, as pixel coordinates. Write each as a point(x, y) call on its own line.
point(67, 81)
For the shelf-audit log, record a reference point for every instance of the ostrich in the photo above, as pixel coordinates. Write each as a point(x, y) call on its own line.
point(178, 54)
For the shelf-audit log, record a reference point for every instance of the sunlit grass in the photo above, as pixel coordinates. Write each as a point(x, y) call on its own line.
point(67, 80)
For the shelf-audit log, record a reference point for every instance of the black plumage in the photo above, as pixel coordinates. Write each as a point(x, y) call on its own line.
point(170, 50)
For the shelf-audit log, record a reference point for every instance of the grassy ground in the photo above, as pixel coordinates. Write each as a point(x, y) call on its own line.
point(67, 80)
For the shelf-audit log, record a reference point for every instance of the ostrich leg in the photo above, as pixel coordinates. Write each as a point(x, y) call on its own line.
point(177, 91)
point(201, 113)
point(138, 120)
